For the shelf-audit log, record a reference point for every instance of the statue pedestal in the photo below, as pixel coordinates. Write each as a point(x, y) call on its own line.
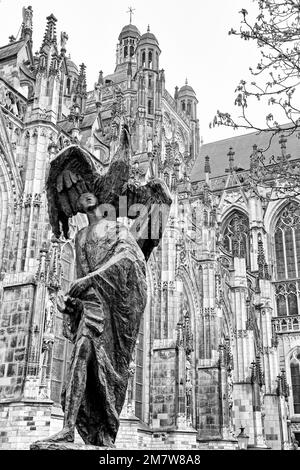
point(44, 445)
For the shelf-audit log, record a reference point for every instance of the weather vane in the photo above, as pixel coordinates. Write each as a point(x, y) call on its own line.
point(130, 11)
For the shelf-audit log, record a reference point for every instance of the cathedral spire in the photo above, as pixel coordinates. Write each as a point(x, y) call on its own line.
point(50, 32)
point(81, 85)
point(207, 169)
point(263, 269)
point(282, 143)
point(230, 155)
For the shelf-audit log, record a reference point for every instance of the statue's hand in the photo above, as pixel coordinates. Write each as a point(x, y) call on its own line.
point(130, 185)
point(79, 286)
point(66, 304)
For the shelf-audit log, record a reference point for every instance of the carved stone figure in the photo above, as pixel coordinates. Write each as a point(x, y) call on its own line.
point(27, 17)
point(63, 40)
point(104, 306)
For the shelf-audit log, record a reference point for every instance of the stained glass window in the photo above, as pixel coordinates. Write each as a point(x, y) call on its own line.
point(287, 252)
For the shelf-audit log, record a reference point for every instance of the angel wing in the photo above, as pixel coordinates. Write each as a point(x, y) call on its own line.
point(71, 173)
point(155, 201)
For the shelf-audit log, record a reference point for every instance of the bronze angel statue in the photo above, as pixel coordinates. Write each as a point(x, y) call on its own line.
point(106, 302)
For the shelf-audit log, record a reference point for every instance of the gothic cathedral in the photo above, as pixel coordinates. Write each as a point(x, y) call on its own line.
point(219, 345)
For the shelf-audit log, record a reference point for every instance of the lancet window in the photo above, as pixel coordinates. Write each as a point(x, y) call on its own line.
point(287, 253)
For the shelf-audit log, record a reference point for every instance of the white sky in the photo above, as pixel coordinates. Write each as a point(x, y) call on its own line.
point(192, 34)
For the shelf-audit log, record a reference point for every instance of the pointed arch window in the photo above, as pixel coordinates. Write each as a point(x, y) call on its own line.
point(295, 380)
point(143, 58)
point(150, 106)
point(189, 108)
point(287, 254)
point(68, 86)
point(150, 59)
point(236, 236)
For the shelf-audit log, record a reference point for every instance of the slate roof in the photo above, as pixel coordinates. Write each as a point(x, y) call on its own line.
point(242, 145)
point(11, 50)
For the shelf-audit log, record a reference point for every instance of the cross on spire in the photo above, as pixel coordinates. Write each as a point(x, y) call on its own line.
point(130, 11)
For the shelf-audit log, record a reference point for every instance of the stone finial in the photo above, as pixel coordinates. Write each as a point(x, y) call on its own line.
point(176, 93)
point(254, 159)
point(82, 78)
point(81, 88)
point(207, 168)
point(50, 31)
point(100, 78)
point(282, 143)
point(263, 269)
point(282, 385)
point(230, 155)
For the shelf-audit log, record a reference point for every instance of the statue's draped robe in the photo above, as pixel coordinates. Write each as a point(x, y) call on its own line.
point(108, 322)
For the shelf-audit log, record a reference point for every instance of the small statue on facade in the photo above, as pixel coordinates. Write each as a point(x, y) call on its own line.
point(63, 40)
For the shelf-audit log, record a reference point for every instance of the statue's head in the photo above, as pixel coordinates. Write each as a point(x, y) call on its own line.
point(87, 202)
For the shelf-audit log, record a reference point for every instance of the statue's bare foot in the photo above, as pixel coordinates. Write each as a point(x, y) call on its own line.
point(107, 441)
point(65, 435)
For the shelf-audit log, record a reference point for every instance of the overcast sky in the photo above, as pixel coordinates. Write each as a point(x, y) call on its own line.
point(192, 34)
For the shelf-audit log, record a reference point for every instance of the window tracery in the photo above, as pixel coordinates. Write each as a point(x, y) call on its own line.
point(287, 253)
point(236, 237)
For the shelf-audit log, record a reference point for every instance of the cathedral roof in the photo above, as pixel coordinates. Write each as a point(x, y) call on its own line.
point(11, 49)
point(129, 31)
point(242, 145)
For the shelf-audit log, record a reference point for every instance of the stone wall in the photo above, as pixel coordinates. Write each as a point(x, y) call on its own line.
point(14, 333)
point(22, 423)
point(272, 423)
point(163, 387)
point(208, 403)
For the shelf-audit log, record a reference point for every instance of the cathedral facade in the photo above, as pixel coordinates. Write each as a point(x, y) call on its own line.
point(219, 345)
